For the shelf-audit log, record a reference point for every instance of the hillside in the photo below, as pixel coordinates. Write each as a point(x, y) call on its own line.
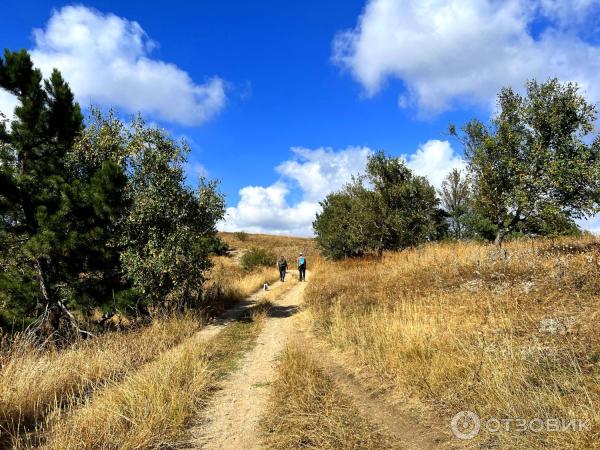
point(370, 353)
point(509, 333)
point(50, 392)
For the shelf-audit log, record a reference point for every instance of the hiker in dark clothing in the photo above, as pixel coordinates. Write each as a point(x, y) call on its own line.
point(282, 266)
point(302, 267)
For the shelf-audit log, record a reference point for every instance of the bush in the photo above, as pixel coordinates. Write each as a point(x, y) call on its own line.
point(257, 257)
point(218, 246)
point(241, 236)
point(389, 208)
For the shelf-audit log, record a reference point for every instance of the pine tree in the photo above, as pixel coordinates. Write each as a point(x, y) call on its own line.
point(55, 218)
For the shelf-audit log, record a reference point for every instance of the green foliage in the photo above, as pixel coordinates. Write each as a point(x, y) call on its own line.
point(395, 209)
point(169, 229)
point(257, 257)
point(91, 218)
point(218, 246)
point(533, 161)
point(38, 199)
point(478, 227)
point(440, 226)
point(549, 224)
point(405, 202)
point(347, 224)
point(241, 236)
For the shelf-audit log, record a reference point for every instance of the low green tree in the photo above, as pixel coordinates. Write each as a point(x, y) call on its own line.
point(257, 257)
point(534, 159)
point(406, 202)
point(349, 224)
point(387, 208)
point(241, 236)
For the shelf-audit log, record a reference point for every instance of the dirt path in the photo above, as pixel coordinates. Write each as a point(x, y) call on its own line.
point(231, 314)
point(231, 419)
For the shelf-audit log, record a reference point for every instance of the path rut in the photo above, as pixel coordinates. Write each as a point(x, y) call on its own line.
point(411, 433)
point(231, 419)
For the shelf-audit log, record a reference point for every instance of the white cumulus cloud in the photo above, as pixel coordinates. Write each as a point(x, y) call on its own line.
point(310, 176)
point(8, 102)
point(266, 210)
point(106, 60)
point(323, 170)
point(434, 160)
point(446, 51)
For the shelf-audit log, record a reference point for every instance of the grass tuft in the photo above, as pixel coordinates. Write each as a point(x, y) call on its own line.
point(307, 411)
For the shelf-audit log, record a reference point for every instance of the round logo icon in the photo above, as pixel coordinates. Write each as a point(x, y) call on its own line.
point(465, 425)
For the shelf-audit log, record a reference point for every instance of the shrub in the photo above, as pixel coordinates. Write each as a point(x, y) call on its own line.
point(257, 257)
point(241, 236)
point(218, 246)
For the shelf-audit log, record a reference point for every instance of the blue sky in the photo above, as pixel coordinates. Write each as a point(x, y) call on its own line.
point(282, 101)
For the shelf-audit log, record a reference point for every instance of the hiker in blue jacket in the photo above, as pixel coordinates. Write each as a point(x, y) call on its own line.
point(302, 267)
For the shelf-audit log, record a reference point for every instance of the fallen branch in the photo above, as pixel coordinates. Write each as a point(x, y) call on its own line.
point(72, 320)
point(36, 329)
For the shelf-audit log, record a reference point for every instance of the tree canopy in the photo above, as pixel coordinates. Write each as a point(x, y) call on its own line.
point(533, 169)
point(536, 160)
point(97, 216)
point(388, 208)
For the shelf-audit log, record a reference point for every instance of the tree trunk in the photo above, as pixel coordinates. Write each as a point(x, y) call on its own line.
point(55, 308)
point(504, 229)
point(54, 313)
point(500, 237)
point(41, 276)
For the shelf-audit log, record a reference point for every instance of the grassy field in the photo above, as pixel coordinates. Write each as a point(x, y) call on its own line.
point(34, 382)
point(286, 246)
point(154, 407)
point(141, 384)
point(508, 333)
point(308, 411)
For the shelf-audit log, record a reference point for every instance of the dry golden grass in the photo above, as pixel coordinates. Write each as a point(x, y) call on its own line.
point(279, 245)
point(40, 386)
point(34, 381)
point(307, 411)
point(153, 407)
point(228, 282)
point(507, 333)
